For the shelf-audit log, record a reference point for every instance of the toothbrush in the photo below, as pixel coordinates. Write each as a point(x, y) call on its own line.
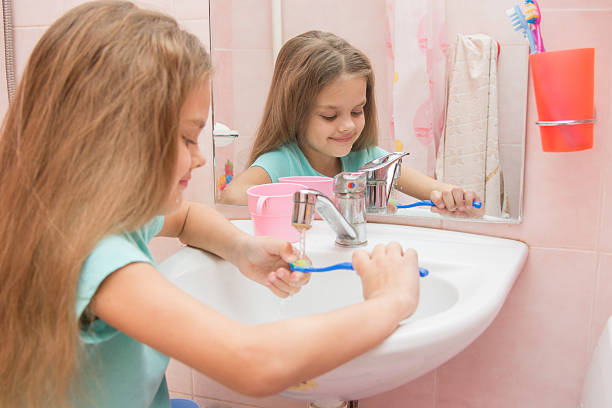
point(533, 16)
point(517, 18)
point(344, 265)
point(475, 204)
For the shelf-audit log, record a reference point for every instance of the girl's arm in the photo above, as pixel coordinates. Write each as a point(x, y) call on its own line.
point(235, 191)
point(449, 199)
point(263, 359)
point(262, 259)
point(202, 226)
point(419, 185)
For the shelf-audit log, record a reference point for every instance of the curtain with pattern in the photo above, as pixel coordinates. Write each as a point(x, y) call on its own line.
point(416, 52)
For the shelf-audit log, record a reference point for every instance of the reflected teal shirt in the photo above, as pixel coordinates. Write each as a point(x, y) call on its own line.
point(116, 370)
point(288, 160)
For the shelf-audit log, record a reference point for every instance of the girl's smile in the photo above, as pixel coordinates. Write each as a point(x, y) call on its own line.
point(348, 139)
point(185, 181)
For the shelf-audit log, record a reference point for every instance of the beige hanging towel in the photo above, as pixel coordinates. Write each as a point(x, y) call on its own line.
point(468, 154)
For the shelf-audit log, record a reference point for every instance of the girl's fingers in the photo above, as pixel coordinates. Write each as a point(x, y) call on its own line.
point(410, 253)
point(293, 279)
point(276, 290)
point(360, 259)
point(454, 214)
point(436, 198)
point(379, 250)
point(299, 278)
point(288, 253)
point(449, 201)
point(281, 280)
point(469, 197)
point(393, 248)
point(458, 197)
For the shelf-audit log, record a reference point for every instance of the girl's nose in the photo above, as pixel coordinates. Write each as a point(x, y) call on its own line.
point(197, 159)
point(347, 126)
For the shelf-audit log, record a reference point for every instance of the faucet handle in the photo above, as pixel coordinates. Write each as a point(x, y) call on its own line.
point(350, 182)
point(381, 173)
point(379, 169)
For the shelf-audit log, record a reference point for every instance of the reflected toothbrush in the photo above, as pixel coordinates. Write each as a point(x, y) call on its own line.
point(475, 204)
point(343, 265)
point(517, 18)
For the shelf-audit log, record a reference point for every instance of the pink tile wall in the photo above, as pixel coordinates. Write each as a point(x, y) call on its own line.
point(536, 352)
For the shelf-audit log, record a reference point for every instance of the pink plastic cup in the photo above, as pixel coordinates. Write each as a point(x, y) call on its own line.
point(271, 208)
point(320, 183)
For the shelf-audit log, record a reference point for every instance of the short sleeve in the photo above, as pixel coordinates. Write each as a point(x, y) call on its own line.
point(110, 254)
point(152, 228)
point(377, 152)
point(274, 163)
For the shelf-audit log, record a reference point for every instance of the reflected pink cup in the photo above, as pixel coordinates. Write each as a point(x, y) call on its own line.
point(320, 183)
point(271, 209)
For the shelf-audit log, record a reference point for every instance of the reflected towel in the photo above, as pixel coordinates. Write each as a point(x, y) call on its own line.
point(468, 155)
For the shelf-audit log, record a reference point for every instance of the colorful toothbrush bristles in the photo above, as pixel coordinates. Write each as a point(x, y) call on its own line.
point(517, 19)
point(531, 12)
point(301, 263)
point(533, 16)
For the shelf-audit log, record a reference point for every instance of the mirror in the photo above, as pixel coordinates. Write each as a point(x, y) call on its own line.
point(412, 46)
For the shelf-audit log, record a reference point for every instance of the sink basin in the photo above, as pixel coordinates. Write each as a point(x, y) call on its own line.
point(469, 279)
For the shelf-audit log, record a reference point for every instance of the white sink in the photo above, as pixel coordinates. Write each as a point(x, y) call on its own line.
point(469, 279)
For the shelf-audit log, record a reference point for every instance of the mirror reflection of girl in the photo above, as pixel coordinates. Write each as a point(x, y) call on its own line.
point(320, 119)
point(96, 150)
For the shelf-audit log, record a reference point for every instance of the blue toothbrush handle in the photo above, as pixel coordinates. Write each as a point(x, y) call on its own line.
point(344, 265)
point(475, 204)
point(308, 269)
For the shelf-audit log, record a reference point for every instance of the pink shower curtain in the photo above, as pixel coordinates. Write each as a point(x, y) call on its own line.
point(416, 45)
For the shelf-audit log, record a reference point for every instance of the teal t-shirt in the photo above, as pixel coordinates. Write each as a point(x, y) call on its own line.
point(288, 160)
point(116, 370)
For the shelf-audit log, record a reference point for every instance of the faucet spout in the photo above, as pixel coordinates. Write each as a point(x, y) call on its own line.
point(305, 201)
point(346, 214)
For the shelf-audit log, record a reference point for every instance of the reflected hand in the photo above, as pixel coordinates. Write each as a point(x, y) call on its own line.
point(456, 203)
point(266, 260)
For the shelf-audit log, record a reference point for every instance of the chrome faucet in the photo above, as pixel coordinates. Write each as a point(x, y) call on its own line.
point(381, 174)
point(346, 215)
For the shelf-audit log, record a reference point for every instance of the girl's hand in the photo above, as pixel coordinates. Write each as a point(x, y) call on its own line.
point(456, 203)
point(390, 272)
point(266, 260)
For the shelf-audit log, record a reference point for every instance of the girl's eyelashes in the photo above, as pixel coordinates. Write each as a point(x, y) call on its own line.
point(332, 117)
point(189, 141)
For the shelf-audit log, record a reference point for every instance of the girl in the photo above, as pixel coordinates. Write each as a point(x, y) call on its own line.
point(95, 153)
point(320, 119)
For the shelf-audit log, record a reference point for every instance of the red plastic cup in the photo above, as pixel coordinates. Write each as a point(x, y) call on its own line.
point(563, 83)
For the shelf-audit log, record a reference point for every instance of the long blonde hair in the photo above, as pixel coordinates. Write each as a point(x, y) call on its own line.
point(304, 66)
point(87, 149)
